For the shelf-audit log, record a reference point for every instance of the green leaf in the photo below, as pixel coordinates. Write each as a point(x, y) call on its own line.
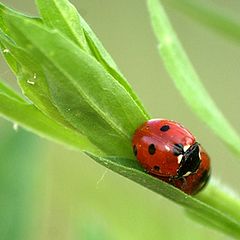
point(31, 80)
point(186, 79)
point(62, 15)
point(96, 103)
point(105, 59)
point(28, 116)
point(84, 93)
point(6, 10)
point(4, 89)
point(221, 218)
point(7, 55)
point(28, 72)
point(212, 17)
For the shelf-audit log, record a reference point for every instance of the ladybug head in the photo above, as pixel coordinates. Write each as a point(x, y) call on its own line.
point(190, 161)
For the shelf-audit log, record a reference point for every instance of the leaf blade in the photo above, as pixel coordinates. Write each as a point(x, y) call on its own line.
point(62, 15)
point(4, 89)
point(28, 116)
point(223, 221)
point(91, 86)
point(31, 80)
point(87, 40)
point(33, 86)
point(186, 79)
point(105, 59)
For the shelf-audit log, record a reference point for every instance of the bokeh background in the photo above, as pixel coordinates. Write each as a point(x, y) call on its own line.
point(48, 192)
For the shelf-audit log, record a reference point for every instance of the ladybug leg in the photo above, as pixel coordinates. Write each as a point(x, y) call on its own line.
point(179, 182)
point(184, 181)
point(172, 180)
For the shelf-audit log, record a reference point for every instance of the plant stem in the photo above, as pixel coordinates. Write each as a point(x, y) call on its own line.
point(221, 198)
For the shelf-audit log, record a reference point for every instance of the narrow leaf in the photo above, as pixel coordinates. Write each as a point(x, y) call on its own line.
point(31, 118)
point(4, 89)
point(105, 59)
point(62, 15)
point(28, 72)
point(85, 94)
point(31, 80)
point(222, 220)
point(6, 10)
point(186, 79)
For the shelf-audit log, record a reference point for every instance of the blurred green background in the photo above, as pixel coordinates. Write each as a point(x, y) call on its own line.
point(50, 192)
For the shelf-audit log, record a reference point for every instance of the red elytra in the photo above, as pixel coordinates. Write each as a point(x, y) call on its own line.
point(170, 152)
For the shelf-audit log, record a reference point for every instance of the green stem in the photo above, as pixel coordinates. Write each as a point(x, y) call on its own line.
point(221, 198)
point(225, 202)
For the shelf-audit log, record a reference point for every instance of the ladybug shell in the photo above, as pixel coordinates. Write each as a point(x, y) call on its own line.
point(157, 149)
point(159, 146)
point(195, 182)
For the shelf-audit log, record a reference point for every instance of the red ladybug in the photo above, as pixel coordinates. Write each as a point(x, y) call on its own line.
point(170, 152)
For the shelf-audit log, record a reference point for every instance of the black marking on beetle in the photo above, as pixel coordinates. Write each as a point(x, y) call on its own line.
point(190, 161)
point(135, 150)
point(151, 149)
point(178, 149)
point(164, 128)
point(156, 168)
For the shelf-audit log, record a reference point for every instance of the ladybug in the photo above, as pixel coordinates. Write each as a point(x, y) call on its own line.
point(171, 153)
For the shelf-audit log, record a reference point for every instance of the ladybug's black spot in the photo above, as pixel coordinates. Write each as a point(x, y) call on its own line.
point(151, 149)
point(164, 128)
point(135, 150)
point(156, 168)
point(178, 149)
